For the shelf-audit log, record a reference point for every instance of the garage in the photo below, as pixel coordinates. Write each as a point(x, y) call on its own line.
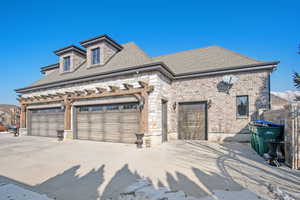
point(192, 123)
point(45, 122)
point(108, 122)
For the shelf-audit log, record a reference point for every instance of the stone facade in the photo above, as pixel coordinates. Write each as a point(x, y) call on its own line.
point(223, 123)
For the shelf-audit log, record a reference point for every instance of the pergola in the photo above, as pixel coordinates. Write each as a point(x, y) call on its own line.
point(67, 99)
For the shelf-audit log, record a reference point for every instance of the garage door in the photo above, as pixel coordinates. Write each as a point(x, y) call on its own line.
point(45, 122)
point(111, 123)
point(192, 121)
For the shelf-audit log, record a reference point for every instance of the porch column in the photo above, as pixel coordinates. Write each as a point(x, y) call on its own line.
point(23, 116)
point(144, 113)
point(67, 116)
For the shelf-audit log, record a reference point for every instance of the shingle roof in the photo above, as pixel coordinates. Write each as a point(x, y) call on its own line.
point(203, 59)
point(186, 62)
point(131, 55)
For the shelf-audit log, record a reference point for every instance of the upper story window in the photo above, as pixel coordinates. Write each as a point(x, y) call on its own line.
point(95, 56)
point(242, 106)
point(67, 63)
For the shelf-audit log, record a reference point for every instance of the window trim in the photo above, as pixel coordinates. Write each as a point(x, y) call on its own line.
point(92, 56)
point(69, 64)
point(236, 106)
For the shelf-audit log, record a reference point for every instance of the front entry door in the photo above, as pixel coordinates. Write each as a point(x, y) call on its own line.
point(192, 121)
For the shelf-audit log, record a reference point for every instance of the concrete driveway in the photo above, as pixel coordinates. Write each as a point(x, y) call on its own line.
point(89, 170)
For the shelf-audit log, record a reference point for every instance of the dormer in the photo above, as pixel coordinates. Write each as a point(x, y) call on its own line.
point(100, 50)
point(70, 58)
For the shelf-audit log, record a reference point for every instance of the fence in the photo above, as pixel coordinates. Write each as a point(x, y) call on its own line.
point(290, 117)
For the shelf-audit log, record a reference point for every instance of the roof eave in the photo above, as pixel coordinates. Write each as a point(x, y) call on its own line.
point(100, 38)
point(67, 49)
point(160, 66)
point(49, 67)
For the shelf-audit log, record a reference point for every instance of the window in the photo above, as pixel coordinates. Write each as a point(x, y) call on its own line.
point(47, 110)
point(242, 106)
point(67, 63)
point(95, 56)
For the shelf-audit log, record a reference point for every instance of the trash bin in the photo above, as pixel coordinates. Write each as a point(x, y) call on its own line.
point(254, 138)
point(60, 134)
point(262, 131)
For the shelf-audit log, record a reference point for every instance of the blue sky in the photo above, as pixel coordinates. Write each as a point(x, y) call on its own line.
point(31, 30)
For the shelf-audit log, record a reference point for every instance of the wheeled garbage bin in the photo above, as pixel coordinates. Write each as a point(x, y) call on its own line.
point(263, 131)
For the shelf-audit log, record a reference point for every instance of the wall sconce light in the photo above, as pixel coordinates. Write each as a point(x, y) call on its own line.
point(174, 106)
point(62, 106)
point(209, 102)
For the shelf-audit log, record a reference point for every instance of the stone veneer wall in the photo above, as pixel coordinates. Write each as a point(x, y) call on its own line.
point(222, 120)
point(223, 124)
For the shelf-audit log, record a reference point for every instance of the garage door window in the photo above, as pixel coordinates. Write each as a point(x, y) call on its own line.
point(48, 110)
point(95, 108)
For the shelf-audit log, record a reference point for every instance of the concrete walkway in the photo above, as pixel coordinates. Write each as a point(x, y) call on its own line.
point(88, 170)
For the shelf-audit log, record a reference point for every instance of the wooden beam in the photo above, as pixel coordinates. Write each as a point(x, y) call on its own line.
point(101, 90)
point(144, 113)
point(23, 116)
point(68, 93)
point(59, 94)
point(67, 115)
point(44, 96)
point(89, 92)
point(78, 93)
point(143, 84)
point(127, 86)
point(104, 93)
point(113, 88)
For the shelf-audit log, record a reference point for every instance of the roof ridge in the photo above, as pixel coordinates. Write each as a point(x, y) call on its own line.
point(171, 54)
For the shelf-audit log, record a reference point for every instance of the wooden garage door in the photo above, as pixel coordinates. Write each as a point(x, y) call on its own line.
point(45, 122)
point(192, 121)
point(111, 123)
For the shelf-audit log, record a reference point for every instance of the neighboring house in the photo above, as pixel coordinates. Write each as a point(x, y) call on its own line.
point(278, 102)
point(9, 115)
point(109, 92)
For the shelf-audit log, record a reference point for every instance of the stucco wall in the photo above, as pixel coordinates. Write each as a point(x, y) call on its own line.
point(222, 120)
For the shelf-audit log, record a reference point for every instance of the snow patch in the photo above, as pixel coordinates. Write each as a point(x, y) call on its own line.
point(10, 191)
point(288, 95)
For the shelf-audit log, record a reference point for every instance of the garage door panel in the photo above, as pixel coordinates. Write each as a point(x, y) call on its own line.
point(108, 125)
point(45, 123)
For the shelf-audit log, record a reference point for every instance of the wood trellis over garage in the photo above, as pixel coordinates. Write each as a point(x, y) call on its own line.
point(68, 98)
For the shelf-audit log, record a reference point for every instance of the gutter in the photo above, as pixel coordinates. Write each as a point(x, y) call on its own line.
point(158, 66)
point(126, 71)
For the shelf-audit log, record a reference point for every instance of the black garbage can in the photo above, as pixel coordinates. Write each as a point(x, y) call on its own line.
point(139, 140)
point(60, 135)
